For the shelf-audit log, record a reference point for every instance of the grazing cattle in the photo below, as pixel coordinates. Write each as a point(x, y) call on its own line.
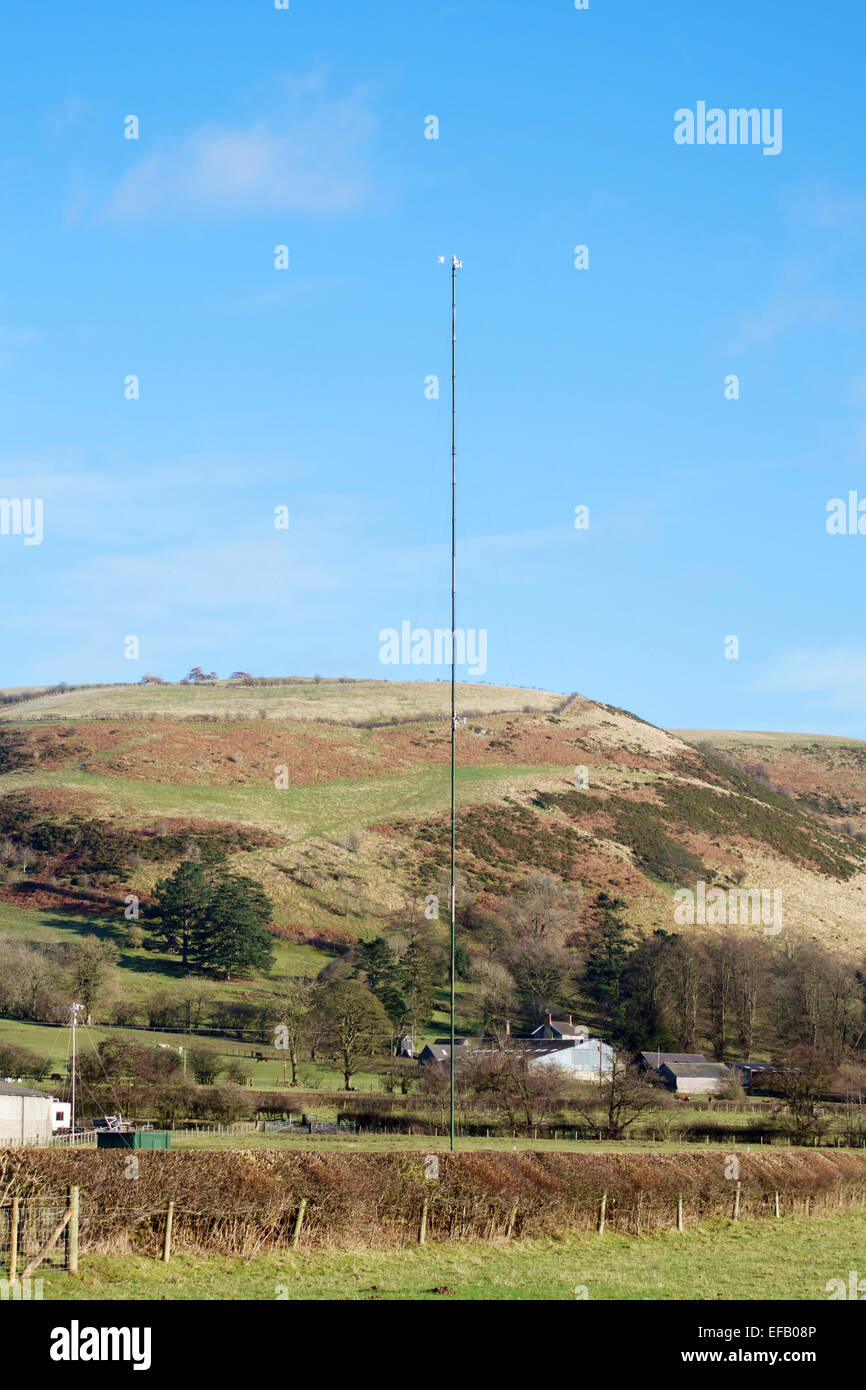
point(258, 1057)
point(55, 1076)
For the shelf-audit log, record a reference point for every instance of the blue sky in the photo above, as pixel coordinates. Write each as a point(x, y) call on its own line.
point(304, 387)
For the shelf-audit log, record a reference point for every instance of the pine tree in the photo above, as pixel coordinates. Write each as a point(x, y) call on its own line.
point(378, 962)
point(606, 962)
point(182, 903)
point(232, 939)
point(419, 983)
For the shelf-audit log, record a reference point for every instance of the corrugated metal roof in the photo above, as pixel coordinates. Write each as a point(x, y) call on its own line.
point(8, 1088)
point(661, 1059)
point(583, 1058)
point(695, 1069)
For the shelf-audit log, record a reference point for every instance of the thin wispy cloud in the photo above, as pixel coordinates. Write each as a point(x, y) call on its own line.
point(786, 312)
point(829, 208)
point(835, 678)
point(308, 154)
point(11, 339)
point(67, 112)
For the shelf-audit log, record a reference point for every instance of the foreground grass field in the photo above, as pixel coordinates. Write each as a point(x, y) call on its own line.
point(792, 1259)
point(299, 1138)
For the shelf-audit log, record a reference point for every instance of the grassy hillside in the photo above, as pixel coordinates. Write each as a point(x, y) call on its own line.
point(359, 833)
point(826, 774)
point(343, 701)
point(362, 820)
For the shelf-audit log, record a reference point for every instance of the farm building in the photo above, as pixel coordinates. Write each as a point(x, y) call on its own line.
point(560, 1028)
point(696, 1078)
point(655, 1060)
point(584, 1059)
point(29, 1117)
point(749, 1073)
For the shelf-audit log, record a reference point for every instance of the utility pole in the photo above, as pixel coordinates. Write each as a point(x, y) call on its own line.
point(455, 266)
point(75, 1008)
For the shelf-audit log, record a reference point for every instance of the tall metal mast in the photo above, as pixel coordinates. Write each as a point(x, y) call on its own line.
point(455, 266)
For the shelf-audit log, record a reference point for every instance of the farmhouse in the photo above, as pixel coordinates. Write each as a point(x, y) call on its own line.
point(696, 1078)
point(29, 1117)
point(560, 1028)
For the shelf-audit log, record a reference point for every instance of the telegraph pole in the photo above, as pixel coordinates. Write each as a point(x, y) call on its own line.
point(75, 1008)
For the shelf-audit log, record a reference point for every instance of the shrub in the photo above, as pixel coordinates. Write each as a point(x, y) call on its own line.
point(237, 1072)
point(204, 1064)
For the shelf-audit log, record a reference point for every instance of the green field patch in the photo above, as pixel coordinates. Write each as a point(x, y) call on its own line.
point(790, 1260)
point(296, 812)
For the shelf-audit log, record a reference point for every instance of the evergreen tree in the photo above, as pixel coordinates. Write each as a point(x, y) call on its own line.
point(394, 1003)
point(378, 962)
point(182, 903)
point(232, 938)
point(606, 962)
point(418, 974)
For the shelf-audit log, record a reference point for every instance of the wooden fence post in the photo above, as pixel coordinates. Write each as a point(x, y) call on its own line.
point(422, 1225)
point(680, 1212)
point(72, 1231)
point(776, 1205)
point(737, 1203)
point(602, 1211)
point(299, 1221)
point(49, 1244)
point(166, 1235)
point(13, 1240)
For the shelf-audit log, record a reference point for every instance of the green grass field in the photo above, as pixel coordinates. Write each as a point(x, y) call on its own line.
point(416, 1143)
point(791, 1259)
point(56, 925)
point(296, 813)
point(53, 1043)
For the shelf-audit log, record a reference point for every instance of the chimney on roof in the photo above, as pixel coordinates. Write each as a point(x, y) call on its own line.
point(570, 1021)
point(508, 1028)
point(548, 1017)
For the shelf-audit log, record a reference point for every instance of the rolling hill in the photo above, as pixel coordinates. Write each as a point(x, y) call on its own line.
point(342, 788)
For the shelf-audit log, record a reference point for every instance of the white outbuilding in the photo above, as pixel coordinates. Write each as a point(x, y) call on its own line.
point(585, 1059)
point(696, 1078)
point(29, 1117)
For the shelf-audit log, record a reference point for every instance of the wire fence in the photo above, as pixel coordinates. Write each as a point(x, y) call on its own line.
point(35, 1233)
